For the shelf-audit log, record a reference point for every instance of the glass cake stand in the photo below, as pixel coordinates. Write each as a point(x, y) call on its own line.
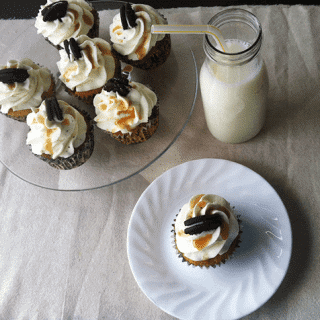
point(175, 83)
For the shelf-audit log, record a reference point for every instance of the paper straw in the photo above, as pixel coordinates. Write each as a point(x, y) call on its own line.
point(191, 29)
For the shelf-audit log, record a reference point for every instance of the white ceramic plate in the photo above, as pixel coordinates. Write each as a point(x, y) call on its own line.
point(233, 290)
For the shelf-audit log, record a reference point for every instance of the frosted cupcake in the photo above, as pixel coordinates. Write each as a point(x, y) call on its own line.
point(206, 231)
point(23, 86)
point(132, 39)
point(60, 20)
point(128, 111)
point(60, 135)
point(86, 65)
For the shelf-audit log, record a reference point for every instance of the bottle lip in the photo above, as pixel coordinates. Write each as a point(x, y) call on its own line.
point(241, 15)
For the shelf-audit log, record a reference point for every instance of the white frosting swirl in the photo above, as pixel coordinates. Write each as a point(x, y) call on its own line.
point(92, 70)
point(77, 21)
point(57, 139)
point(136, 42)
point(207, 244)
point(25, 95)
point(116, 113)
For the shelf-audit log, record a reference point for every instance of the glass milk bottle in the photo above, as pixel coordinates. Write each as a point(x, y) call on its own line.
point(234, 84)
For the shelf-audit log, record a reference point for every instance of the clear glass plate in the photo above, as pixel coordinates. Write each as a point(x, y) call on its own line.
point(233, 290)
point(175, 83)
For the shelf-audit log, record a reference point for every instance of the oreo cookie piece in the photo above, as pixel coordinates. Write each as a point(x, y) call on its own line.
point(12, 75)
point(120, 85)
point(123, 17)
point(54, 11)
point(66, 47)
point(72, 46)
point(53, 109)
point(131, 16)
point(128, 16)
point(202, 223)
point(75, 49)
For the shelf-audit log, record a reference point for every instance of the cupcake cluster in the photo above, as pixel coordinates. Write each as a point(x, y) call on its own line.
point(90, 70)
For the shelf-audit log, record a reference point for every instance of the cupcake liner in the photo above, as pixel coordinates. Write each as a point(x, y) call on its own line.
point(154, 59)
point(21, 115)
point(81, 154)
point(208, 263)
point(85, 96)
point(142, 132)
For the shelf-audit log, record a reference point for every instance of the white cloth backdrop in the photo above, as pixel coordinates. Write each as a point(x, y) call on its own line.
point(63, 254)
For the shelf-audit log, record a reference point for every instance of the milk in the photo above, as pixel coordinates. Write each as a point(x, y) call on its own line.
point(234, 96)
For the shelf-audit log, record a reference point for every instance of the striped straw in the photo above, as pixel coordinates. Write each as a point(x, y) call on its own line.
point(191, 29)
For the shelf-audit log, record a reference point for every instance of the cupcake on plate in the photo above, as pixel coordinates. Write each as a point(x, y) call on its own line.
point(206, 231)
point(86, 65)
point(60, 20)
point(60, 134)
point(23, 86)
point(132, 40)
point(128, 111)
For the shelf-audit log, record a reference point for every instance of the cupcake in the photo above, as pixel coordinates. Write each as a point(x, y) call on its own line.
point(86, 65)
point(132, 40)
point(60, 20)
point(60, 134)
point(23, 86)
point(128, 111)
point(206, 231)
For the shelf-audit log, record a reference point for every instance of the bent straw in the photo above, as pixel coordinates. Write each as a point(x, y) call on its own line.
point(191, 29)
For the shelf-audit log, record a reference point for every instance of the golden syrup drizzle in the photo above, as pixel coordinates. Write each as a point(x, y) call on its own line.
point(202, 242)
point(75, 13)
point(141, 50)
point(195, 201)
point(116, 28)
point(124, 123)
point(181, 233)
point(104, 51)
point(68, 72)
point(65, 122)
point(88, 51)
point(224, 230)
point(77, 26)
point(87, 20)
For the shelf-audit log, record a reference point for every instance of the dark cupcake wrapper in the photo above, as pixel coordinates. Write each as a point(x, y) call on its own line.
point(81, 154)
point(223, 261)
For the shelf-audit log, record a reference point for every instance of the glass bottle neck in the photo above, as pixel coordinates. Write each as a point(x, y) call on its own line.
point(242, 33)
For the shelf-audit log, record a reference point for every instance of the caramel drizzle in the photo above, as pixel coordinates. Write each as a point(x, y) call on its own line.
point(87, 20)
point(48, 133)
point(195, 201)
point(141, 50)
point(104, 51)
point(88, 50)
point(202, 242)
point(75, 13)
